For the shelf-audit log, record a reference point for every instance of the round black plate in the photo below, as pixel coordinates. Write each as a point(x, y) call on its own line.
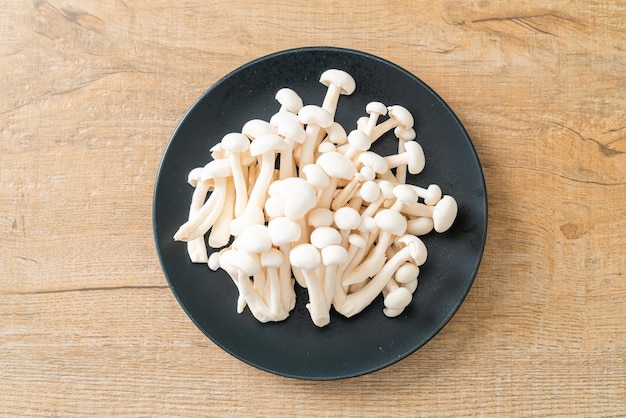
point(346, 347)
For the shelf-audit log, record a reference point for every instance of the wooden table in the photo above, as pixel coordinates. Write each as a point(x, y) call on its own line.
point(89, 95)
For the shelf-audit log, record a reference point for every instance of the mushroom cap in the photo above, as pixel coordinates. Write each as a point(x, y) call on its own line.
point(274, 207)
point(398, 298)
point(361, 123)
point(272, 258)
point(444, 213)
point(336, 165)
point(347, 218)
point(406, 273)
point(251, 216)
point(433, 195)
point(376, 108)
point(248, 263)
point(357, 240)
point(315, 115)
point(320, 217)
point(420, 226)
point(366, 174)
point(216, 168)
point(386, 188)
point(267, 143)
point(391, 221)
point(411, 286)
point(292, 132)
point(254, 239)
point(289, 99)
point(255, 128)
point(298, 196)
point(283, 230)
point(324, 236)
point(305, 256)
point(334, 255)
point(339, 78)
point(326, 146)
point(214, 260)
point(296, 207)
point(402, 115)
point(359, 140)
point(368, 224)
point(337, 134)
point(405, 193)
point(404, 134)
point(235, 142)
point(417, 249)
point(217, 152)
point(315, 175)
point(374, 161)
point(416, 157)
point(369, 191)
point(283, 118)
point(194, 176)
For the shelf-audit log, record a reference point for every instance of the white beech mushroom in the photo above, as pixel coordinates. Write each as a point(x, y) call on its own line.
point(217, 171)
point(404, 135)
point(307, 258)
point(431, 195)
point(375, 110)
point(271, 261)
point(235, 144)
point(338, 82)
point(283, 233)
point(337, 167)
point(293, 134)
point(412, 157)
point(220, 231)
point(196, 248)
point(315, 118)
point(398, 116)
point(442, 214)
point(289, 100)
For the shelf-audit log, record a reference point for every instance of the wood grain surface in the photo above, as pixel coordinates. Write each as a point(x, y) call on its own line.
point(90, 92)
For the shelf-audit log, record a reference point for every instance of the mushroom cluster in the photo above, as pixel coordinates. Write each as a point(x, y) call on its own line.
point(299, 199)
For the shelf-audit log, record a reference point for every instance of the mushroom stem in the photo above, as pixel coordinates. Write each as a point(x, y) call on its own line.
point(220, 232)
point(263, 180)
point(241, 186)
point(206, 215)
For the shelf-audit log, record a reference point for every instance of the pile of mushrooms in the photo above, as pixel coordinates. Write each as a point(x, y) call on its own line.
point(299, 199)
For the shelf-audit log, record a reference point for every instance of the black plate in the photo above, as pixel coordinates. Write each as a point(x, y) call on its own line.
point(346, 347)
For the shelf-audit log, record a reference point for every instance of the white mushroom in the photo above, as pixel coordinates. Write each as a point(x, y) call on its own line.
point(307, 258)
point(235, 144)
point(431, 195)
point(315, 118)
point(289, 100)
point(338, 82)
point(271, 261)
point(217, 171)
point(220, 231)
point(419, 226)
point(403, 136)
point(196, 248)
point(413, 157)
point(264, 147)
point(442, 214)
point(293, 134)
point(337, 167)
point(255, 128)
point(283, 233)
point(375, 110)
point(398, 116)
